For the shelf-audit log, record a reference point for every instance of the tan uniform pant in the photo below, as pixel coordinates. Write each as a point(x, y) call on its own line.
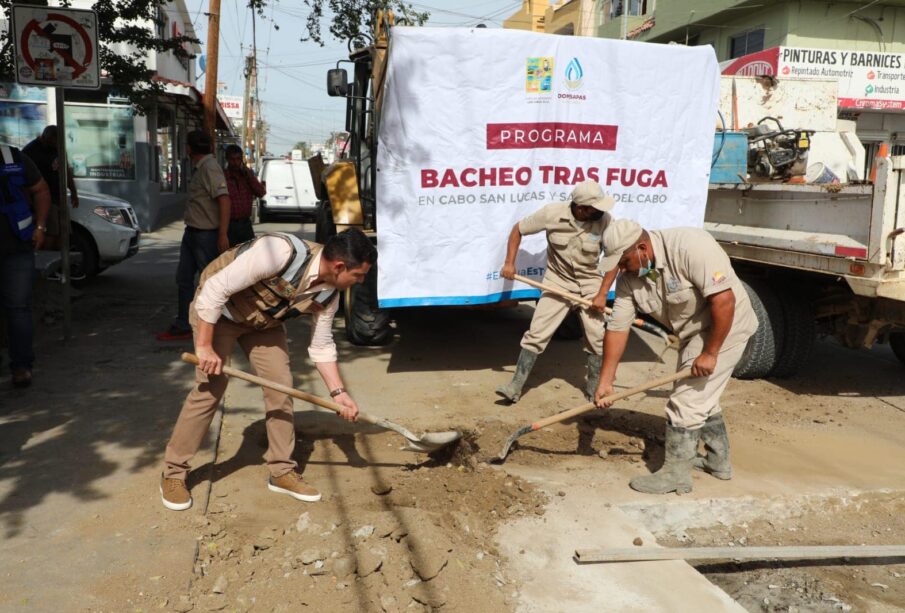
point(694, 400)
point(269, 356)
point(550, 312)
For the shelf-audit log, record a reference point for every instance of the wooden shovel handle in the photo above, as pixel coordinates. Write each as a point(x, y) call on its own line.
point(682, 374)
point(191, 358)
point(557, 292)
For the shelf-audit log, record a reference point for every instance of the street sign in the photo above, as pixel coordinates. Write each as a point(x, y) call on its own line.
point(56, 47)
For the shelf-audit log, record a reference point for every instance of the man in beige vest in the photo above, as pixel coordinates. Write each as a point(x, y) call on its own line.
point(574, 229)
point(683, 278)
point(243, 297)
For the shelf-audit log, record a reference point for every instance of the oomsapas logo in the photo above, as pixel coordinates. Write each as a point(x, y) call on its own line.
point(552, 135)
point(574, 74)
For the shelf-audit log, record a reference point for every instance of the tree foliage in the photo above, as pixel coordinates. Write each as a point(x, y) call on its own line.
point(127, 31)
point(349, 20)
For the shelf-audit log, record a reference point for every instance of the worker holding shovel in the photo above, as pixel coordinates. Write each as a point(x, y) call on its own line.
point(574, 230)
point(244, 296)
point(683, 278)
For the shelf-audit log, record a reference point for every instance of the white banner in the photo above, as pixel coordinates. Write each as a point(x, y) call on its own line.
point(481, 127)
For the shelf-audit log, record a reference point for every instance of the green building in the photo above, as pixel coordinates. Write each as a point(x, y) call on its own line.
point(736, 28)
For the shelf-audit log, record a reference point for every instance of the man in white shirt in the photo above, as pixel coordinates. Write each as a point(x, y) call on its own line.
point(243, 297)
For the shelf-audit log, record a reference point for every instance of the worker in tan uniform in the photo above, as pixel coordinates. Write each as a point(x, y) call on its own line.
point(574, 232)
point(683, 278)
point(245, 296)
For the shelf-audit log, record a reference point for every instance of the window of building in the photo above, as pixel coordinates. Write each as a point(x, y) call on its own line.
point(23, 113)
point(162, 23)
point(100, 141)
point(751, 41)
point(635, 8)
point(168, 171)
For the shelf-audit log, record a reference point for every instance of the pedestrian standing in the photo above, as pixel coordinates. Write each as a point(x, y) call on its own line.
point(207, 214)
point(244, 187)
point(684, 280)
point(24, 208)
point(574, 230)
point(244, 298)
point(43, 152)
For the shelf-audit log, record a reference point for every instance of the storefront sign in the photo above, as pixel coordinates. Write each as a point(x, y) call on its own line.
point(867, 79)
point(232, 106)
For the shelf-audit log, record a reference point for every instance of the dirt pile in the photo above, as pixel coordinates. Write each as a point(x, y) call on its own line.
point(418, 539)
point(598, 435)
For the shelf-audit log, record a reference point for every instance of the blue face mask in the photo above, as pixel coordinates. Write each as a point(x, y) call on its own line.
point(644, 269)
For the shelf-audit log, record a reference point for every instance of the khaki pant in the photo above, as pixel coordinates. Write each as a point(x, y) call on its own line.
point(694, 400)
point(269, 357)
point(550, 312)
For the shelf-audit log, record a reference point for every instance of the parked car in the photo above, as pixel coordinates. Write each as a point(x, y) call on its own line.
point(104, 231)
point(290, 191)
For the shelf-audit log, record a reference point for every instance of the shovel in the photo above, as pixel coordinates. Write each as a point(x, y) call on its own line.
point(682, 374)
point(426, 443)
point(584, 302)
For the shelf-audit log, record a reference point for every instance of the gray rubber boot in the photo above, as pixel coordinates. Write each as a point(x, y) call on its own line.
point(512, 391)
point(593, 376)
point(716, 442)
point(675, 474)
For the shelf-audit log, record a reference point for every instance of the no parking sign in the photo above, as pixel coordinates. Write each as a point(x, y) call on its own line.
point(56, 47)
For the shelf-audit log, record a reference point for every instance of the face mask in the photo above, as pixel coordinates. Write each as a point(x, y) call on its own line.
point(644, 269)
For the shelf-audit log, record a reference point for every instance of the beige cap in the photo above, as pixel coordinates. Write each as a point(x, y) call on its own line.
point(589, 193)
point(619, 235)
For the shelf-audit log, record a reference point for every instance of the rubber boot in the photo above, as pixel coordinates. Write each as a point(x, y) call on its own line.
point(716, 442)
point(593, 376)
point(512, 391)
point(675, 474)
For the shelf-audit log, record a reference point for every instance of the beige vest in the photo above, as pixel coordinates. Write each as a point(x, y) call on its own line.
point(268, 303)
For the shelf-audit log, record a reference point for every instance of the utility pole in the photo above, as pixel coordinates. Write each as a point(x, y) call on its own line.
point(254, 55)
point(246, 106)
point(210, 81)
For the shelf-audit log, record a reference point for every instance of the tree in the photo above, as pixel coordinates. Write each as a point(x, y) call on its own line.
point(126, 32)
point(350, 20)
point(303, 146)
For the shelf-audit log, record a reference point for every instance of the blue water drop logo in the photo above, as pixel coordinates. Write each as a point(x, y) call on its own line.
point(574, 74)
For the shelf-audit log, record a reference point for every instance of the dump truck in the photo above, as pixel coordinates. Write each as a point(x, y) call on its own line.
point(815, 258)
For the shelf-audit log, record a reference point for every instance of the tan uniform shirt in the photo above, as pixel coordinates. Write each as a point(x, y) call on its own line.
point(573, 247)
point(690, 266)
point(207, 184)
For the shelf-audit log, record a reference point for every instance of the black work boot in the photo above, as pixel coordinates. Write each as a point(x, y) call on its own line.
point(716, 442)
point(512, 391)
point(675, 474)
point(593, 376)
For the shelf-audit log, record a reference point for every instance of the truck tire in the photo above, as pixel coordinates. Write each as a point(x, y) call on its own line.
point(897, 344)
point(765, 346)
point(799, 332)
point(570, 329)
point(81, 241)
point(366, 325)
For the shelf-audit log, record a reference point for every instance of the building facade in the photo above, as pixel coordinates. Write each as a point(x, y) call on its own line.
point(564, 17)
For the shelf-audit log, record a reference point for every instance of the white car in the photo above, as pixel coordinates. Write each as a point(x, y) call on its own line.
point(290, 191)
point(104, 231)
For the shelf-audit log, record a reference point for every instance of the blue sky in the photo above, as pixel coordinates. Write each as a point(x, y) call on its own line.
point(292, 74)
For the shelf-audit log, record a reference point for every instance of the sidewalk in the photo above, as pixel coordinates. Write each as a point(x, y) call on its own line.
point(80, 449)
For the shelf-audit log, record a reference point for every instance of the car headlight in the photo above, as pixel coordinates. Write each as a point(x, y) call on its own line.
point(112, 214)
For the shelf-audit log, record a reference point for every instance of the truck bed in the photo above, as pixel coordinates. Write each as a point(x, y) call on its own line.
point(838, 230)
